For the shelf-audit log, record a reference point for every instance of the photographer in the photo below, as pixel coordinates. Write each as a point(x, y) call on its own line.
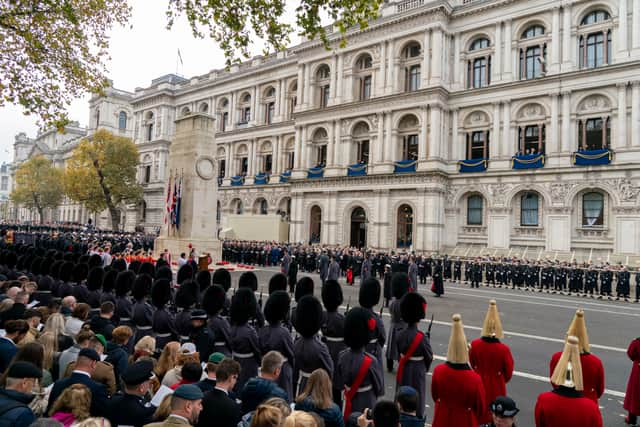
point(384, 414)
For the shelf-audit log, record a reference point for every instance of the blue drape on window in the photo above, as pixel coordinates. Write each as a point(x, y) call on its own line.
point(529, 210)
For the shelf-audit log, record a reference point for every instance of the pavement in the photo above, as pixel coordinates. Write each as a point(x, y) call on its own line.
point(535, 325)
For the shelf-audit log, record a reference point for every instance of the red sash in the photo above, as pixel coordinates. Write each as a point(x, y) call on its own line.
point(408, 355)
point(349, 394)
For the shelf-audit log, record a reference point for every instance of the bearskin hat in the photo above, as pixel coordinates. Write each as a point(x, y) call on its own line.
point(119, 264)
point(222, 277)
point(413, 307)
point(187, 294)
point(44, 284)
point(80, 272)
point(308, 316)
point(184, 273)
point(161, 292)
point(94, 279)
point(95, 260)
point(277, 307)
point(142, 286)
point(68, 256)
point(83, 259)
point(109, 280)
point(147, 268)
point(35, 265)
point(213, 299)
point(124, 282)
point(249, 280)
point(54, 272)
point(135, 266)
point(332, 295)
point(45, 266)
point(278, 282)
point(203, 278)
point(359, 325)
point(304, 287)
point(160, 262)
point(65, 271)
point(399, 284)
point(369, 293)
point(243, 306)
point(164, 272)
point(11, 259)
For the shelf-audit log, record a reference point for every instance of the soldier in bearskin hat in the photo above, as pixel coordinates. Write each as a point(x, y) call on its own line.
point(368, 297)
point(203, 279)
point(278, 282)
point(245, 346)
point(567, 405)
point(94, 285)
point(592, 368)
point(303, 287)
point(184, 273)
point(248, 279)
point(142, 313)
point(108, 285)
point(124, 307)
point(222, 277)
point(213, 303)
point(276, 337)
point(333, 327)
point(359, 373)
point(456, 389)
point(310, 353)
point(186, 299)
point(399, 286)
point(414, 348)
point(163, 322)
point(491, 359)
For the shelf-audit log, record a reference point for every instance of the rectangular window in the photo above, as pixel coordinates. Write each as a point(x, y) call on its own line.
point(268, 163)
point(592, 210)
point(290, 158)
point(480, 72)
point(224, 121)
point(410, 147)
point(147, 174)
point(363, 151)
point(270, 112)
point(365, 88)
point(222, 167)
point(322, 156)
point(324, 96)
point(246, 115)
point(244, 166)
point(5, 183)
point(413, 78)
point(477, 145)
point(529, 210)
point(474, 210)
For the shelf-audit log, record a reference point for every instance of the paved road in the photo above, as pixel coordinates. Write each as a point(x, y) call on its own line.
point(535, 325)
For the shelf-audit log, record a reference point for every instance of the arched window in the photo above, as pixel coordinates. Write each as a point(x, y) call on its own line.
point(529, 210)
point(143, 211)
point(411, 56)
point(474, 210)
point(315, 225)
point(204, 107)
point(149, 126)
point(412, 50)
point(477, 145)
point(323, 85)
point(533, 31)
point(270, 93)
point(122, 120)
point(408, 131)
point(592, 209)
point(364, 62)
point(594, 133)
point(185, 111)
point(263, 207)
point(531, 139)
point(405, 226)
point(269, 105)
point(363, 77)
point(320, 140)
point(361, 140)
point(481, 43)
point(224, 114)
point(594, 39)
point(245, 109)
point(237, 207)
point(479, 63)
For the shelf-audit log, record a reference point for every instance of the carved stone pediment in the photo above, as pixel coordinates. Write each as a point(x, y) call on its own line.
point(594, 103)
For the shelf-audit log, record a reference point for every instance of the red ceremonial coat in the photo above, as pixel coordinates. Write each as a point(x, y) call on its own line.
point(592, 374)
point(493, 361)
point(632, 397)
point(564, 407)
point(459, 396)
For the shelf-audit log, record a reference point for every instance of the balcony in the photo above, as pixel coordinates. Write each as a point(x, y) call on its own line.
point(262, 179)
point(237, 180)
point(593, 232)
point(285, 176)
point(405, 166)
point(357, 169)
point(592, 157)
point(473, 165)
point(527, 161)
point(528, 232)
point(408, 5)
point(315, 172)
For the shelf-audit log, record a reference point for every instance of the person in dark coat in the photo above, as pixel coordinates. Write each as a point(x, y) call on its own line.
point(162, 322)
point(323, 266)
point(566, 405)
point(333, 327)
point(15, 331)
point(359, 326)
point(387, 289)
point(309, 352)
point(142, 311)
point(368, 297)
point(334, 269)
point(275, 337)
point(16, 396)
point(438, 286)
point(124, 307)
point(101, 323)
point(413, 273)
point(414, 349)
point(128, 407)
point(303, 287)
point(213, 303)
point(400, 285)
point(186, 298)
point(264, 387)
point(217, 404)
point(292, 275)
point(201, 335)
point(245, 345)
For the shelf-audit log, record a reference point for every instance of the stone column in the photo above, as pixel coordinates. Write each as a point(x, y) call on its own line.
point(333, 93)
point(340, 82)
point(300, 85)
point(233, 111)
point(228, 160)
point(552, 142)
point(331, 147)
point(566, 38)
point(304, 150)
point(635, 26)
point(497, 57)
point(338, 143)
point(251, 169)
point(554, 67)
point(508, 61)
point(456, 142)
point(507, 143)
point(425, 59)
point(391, 64)
point(254, 107)
point(422, 142)
point(277, 156)
point(494, 144)
point(436, 60)
point(623, 17)
point(635, 111)
point(433, 219)
point(565, 141)
point(620, 140)
point(383, 221)
point(379, 140)
point(280, 103)
point(308, 102)
point(388, 138)
point(382, 70)
point(297, 155)
point(435, 143)
point(458, 80)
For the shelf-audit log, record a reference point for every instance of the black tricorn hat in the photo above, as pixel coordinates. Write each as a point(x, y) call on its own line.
point(95, 278)
point(369, 293)
point(124, 282)
point(185, 272)
point(413, 307)
point(399, 284)
point(308, 316)
point(243, 306)
point(222, 277)
point(278, 282)
point(357, 327)
point(142, 286)
point(213, 300)
point(332, 295)
point(277, 307)
point(249, 280)
point(304, 287)
point(203, 278)
point(187, 294)
point(161, 293)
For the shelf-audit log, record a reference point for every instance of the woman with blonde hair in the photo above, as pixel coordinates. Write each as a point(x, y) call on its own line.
point(317, 397)
point(167, 359)
point(300, 419)
point(51, 354)
point(72, 406)
point(186, 354)
point(56, 325)
point(78, 318)
point(144, 349)
point(266, 416)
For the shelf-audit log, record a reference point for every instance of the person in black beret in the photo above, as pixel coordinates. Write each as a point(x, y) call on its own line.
point(504, 411)
point(16, 395)
point(201, 336)
point(128, 407)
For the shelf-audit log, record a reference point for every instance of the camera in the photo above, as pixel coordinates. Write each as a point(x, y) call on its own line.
point(369, 414)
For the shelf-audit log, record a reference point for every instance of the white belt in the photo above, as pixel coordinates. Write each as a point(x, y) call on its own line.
point(361, 389)
point(242, 355)
point(304, 374)
point(184, 337)
point(220, 344)
point(143, 328)
point(167, 335)
point(125, 319)
point(334, 339)
point(373, 341)
point(414, 358)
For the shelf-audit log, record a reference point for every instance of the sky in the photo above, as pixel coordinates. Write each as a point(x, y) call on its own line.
point(139, 53)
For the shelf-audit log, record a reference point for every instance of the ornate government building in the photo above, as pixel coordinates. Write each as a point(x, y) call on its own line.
point(512, 125)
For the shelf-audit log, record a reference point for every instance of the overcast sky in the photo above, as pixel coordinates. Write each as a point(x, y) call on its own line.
point(138, 54)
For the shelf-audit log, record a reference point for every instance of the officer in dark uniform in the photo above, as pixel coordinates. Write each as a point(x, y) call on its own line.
point(591, 283)
point(457, 270)
point(606, 278)
point(476, 274)
point(129, 407)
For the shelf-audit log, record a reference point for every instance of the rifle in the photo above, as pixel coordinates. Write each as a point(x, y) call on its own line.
point(348, 304)
point(381, 310)
point(428, 334)
point(260, 300)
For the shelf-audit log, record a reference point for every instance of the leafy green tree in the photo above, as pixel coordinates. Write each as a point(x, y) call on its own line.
point(101, 174)
point(38, 185)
